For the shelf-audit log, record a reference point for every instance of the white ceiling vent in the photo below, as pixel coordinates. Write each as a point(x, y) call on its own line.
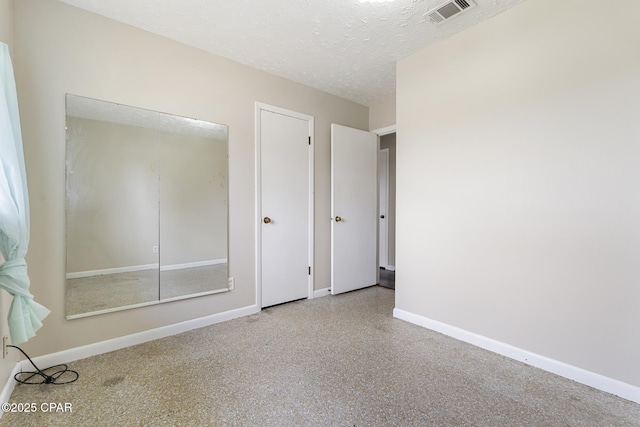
point(448, 10)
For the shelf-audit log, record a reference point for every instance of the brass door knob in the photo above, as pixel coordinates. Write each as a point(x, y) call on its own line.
point(266, 220)
point(338, 219)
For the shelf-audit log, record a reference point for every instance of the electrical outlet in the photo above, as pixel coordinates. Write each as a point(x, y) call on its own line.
point(5, 349)
point(231, 283)
point(154, 249)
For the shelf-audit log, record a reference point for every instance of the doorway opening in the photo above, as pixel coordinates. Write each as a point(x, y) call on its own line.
point(387, 198)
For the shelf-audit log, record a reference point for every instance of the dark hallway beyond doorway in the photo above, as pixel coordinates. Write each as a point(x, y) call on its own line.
point(387, 278)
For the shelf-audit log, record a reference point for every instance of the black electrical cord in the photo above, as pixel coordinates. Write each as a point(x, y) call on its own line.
point(41, 376)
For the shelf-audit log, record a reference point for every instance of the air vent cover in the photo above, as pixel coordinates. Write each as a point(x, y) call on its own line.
point(448, 10)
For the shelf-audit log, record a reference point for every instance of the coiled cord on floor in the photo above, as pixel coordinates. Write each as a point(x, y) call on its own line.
point(40, 376)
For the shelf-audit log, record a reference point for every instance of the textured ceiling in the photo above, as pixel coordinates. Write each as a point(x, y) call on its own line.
point(343, 47)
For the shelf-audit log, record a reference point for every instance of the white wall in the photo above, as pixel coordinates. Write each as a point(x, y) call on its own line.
point(60, 49)
point(518, 170)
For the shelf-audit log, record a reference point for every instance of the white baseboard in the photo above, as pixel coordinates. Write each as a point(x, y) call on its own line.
point(127, 269)
point(132, 268)
point(89, 350)
point(600, 382)
point(193, 264)
point(321, 292)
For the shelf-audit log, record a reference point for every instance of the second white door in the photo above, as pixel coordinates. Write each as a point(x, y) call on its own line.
point(354, 209)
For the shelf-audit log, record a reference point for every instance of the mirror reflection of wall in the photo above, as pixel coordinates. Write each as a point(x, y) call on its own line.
point(193, 219)
point(146, 207)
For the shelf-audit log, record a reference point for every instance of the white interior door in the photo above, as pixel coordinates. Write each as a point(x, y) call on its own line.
point(383, 210)
point(354, 209)
point(285, 206)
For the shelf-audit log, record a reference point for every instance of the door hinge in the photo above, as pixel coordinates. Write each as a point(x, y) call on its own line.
point(309, 139)
point(309, 270)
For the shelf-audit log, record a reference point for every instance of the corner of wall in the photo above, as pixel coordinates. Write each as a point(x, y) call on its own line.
point(6, 23)
point(8, 364)
point(382, 115)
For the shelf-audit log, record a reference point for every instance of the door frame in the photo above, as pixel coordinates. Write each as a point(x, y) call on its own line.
point(382, 132)
point(259, 107)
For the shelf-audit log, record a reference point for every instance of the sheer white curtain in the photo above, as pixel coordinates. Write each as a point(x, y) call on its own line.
point(25, 315)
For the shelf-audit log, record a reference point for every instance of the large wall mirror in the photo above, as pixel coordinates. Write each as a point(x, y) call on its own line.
point(147, 207)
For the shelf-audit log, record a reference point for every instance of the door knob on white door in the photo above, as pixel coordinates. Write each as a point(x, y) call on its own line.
point(266, 220)
point(338, 219)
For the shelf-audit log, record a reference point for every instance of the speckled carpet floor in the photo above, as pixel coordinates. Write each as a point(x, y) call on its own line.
point(332, 361)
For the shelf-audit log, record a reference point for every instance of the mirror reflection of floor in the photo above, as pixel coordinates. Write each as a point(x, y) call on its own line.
point(107, 291)
point(187, 281)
